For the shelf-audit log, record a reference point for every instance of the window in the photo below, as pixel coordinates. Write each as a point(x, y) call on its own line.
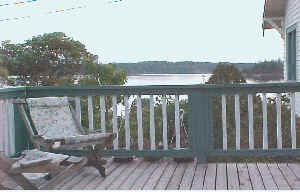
point(291, 52)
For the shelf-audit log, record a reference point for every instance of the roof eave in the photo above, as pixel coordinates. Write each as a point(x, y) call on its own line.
point(273, 17)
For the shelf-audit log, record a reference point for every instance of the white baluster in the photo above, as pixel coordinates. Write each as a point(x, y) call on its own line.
point(237, 122)
point(293, 121)
point(224, 126)
point(115, 122)
point(278, 113)
point(102, 114)
point(127, 127)
point(250, 116)
point(165, 122)
point(177, 122)
point(140, 123)
point(152, 123)
point(78, 108)
point(265, 121)
point(90, 114)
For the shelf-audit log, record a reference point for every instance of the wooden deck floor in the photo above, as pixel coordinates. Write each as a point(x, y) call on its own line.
point(167, 174)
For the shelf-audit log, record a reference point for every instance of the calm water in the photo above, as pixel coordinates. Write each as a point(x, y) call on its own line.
point(167, 79)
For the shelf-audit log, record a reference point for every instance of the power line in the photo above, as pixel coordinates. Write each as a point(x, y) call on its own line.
point(47, 13)
point(17, 3)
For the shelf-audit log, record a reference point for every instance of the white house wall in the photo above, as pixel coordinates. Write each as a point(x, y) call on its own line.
point(292, 16)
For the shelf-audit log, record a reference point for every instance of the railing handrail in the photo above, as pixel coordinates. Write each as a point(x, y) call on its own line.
point(212, 89)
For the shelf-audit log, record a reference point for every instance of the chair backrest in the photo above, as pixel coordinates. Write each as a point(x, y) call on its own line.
point(52, 117)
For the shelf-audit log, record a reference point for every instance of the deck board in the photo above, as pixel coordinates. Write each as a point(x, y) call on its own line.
point(295, 169)
point(267, 178)
point(177, 177)
point(141, 181)
point(199, 177)
point(188, 176)
point(67, 180)
point(94, 183)
point(130, 169)
point(165, 178)
point(167, 174)
point(221, 180)
point(245, 182)
point(210, 177)
point(255, 177)
point(293, 181)
point(232, 173)
point(93, 174)
point(112, 177)
point(138, 172)
point(278, 177)
point(76, 179)
point(155, 177)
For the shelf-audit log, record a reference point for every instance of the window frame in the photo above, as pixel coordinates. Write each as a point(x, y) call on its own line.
point(291, 52)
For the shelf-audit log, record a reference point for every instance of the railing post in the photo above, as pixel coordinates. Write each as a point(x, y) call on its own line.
point(200, 124)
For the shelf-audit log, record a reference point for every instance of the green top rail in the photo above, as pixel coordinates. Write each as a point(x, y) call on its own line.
point(211, 89)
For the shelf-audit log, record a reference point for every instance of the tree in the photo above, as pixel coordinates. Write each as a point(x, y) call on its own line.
point(44, 59)
point(100, 74)
point(226, 73)
point(265, 71)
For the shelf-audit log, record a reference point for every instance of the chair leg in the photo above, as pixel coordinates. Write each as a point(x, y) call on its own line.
point(95, 161)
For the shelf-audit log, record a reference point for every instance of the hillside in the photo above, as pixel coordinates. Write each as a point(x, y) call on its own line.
point(265, 71)
point(165, 67)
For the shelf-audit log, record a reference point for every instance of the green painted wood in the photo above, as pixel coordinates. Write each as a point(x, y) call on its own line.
point(257, 152)
point(212, 89)
point(199, 125)
point(126, 153)
point(291, 28)
point(291, 52)
point(22, 140)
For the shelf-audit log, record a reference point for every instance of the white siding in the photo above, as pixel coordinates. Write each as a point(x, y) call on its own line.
point(293, 17)
point(7, 128)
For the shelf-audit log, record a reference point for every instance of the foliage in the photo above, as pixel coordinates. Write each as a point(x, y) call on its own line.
point(100, 74)
point(44, 59)
point(265, 71)
point(226, 73)
point(3, 73)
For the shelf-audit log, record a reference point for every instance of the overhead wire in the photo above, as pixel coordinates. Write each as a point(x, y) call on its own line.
point(17, 3)
point(49, 12)
point(46, 13)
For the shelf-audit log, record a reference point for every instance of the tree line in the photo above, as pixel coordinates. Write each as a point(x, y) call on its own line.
point(166, 67)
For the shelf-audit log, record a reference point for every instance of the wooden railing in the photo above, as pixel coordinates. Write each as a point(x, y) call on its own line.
point(204, 103)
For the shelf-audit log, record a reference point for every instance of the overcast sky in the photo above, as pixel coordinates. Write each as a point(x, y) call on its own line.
point(140, 30)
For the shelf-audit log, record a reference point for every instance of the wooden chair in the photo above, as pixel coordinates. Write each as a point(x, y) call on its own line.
point(52, 124)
